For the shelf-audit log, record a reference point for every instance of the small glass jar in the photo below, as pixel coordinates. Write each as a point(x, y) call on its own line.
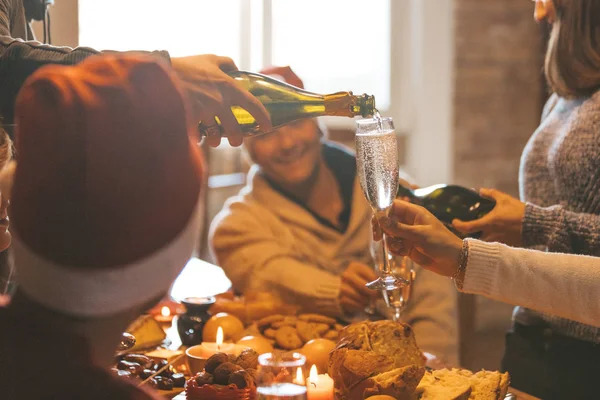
point(191, 323)
point(281, 376)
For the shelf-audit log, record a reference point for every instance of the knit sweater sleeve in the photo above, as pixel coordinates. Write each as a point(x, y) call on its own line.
point(19, 59)
point(564, 285)
point(253, 258)
point(561, 230)
point(431, 312)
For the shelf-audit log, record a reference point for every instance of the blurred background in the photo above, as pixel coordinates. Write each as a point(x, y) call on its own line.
point(461, 78)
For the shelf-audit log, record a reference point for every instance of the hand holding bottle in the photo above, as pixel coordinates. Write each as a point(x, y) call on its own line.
point(504, 223)
point(212, 93)
point(415, 232)
point(354, 295)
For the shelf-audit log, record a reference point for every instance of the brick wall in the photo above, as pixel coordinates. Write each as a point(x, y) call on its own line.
point(498, 90)
point(498, 86)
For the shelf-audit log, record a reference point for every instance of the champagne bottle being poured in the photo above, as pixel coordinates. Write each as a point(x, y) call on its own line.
point(286, 103)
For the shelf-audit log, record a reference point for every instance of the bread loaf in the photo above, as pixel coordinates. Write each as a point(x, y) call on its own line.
point(399, 383)
point(394, 339)
point(443, 385)
point(374, 358)
point(486, 385)
point(462, 384)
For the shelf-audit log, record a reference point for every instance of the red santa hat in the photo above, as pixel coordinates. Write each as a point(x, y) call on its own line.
point(106, 194)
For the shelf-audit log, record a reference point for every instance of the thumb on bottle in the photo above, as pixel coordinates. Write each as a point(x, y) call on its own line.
point(490, 193)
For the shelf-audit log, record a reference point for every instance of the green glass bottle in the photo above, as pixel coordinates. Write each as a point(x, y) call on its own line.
point(286, 103)
point(449, 202)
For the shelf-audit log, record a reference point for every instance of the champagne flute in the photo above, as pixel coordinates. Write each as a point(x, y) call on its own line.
point(377, 168)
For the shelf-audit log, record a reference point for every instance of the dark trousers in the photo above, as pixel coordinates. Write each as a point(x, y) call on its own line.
point(550, 366)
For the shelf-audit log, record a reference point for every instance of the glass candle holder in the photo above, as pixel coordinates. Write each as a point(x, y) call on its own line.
point(281, 376)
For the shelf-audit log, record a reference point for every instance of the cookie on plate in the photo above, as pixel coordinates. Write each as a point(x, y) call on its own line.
point(266, 321)
point(287, 338)
point(317, 318)
point(306, 331)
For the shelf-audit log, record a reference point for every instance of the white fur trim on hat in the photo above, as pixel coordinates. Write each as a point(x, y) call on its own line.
point(103, 292)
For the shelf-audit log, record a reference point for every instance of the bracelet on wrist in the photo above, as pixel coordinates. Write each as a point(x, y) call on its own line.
point(458, 276)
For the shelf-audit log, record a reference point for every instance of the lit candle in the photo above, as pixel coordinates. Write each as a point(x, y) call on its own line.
point(165, 316)
point(207, 349)
point(299, 379)
point(165, 311)
point(320, 387)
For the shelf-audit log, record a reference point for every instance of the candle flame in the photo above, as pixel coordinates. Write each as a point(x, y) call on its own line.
point(219, 337)
point(165, 311)
point(299, 380)
point(313, 377)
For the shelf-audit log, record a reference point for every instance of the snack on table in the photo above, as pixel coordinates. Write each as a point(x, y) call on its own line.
point(292, 332)
point(382, 358)
point(233, 328)
point(443, 385)
point(317, 353)
point(374, 358)
point(462, 384)
point(287, 337)
point(147, 332)
point(142, 367)
point(486, 385)
point(235, 380)
point(258, 343)
point(252, 306)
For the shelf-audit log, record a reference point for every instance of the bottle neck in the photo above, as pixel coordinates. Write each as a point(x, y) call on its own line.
point(345, 104)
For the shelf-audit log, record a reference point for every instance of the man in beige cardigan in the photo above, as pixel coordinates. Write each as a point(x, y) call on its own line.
point(301, 229)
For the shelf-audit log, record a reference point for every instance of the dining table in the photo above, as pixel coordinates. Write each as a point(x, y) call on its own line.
point(202, 279)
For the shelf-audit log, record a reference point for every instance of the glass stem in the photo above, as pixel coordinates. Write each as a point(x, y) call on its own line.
point(396, 316)
point(386, 271)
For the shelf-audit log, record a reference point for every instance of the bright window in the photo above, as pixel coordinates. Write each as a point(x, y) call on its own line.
point(333, 45)
point(183, 27)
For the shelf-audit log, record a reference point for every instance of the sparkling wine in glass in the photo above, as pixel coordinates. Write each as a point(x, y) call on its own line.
point(377, 168)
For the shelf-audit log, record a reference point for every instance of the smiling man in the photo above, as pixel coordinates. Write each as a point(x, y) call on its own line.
point(301, 229)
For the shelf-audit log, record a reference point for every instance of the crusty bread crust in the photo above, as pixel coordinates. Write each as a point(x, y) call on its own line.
point(486, 385)
point(444, 385)
point(399, 382)
point(504, 384)
point(379, 357)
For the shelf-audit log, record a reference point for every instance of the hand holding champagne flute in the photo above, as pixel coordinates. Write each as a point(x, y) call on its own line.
point(402, 267)
point(377, 168)
point(414, 232)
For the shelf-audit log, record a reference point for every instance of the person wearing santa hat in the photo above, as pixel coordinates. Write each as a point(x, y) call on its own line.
point(106, 211)
point(301, 228)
